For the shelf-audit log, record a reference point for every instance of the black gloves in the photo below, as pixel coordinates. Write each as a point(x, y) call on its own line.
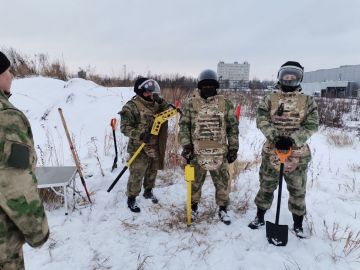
point(231, 155)
point(145, 137)
point(188, 152)
point(283, 143)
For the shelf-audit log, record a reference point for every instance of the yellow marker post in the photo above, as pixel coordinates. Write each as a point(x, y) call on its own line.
point(189, 177)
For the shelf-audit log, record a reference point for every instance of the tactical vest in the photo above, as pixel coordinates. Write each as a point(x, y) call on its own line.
point(147, 110)
point(287, 113)
point(209, 136)
point(157, 146)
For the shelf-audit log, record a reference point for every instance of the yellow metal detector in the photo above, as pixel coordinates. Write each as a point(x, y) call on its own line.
point(189, 177)
point(159, 119)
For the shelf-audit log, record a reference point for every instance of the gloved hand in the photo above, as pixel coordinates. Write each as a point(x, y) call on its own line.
point(145, 137)
point(188, 152)
point(231, 155)
point(283, 143)
point(158, 99)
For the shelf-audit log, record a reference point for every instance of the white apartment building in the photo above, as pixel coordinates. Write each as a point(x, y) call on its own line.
point(233, 75)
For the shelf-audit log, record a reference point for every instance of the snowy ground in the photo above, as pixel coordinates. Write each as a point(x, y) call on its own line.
point(106, 235)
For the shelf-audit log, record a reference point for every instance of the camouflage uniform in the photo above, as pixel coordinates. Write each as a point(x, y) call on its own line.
point(211, 127)
point(22, 216)
point(137, 117)
point(298, 120)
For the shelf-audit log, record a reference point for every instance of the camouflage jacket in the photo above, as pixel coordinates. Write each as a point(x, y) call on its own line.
point(22, 216)
point(188, 125)
point(308, 118)
point(137, 117)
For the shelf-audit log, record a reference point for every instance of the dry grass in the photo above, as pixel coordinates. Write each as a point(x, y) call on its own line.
point(355, 167)
point(345, 242)
point(51, 199)
point(241, 204)
point(340, 139)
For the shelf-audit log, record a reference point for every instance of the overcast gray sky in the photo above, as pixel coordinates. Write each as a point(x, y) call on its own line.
point(184, 36)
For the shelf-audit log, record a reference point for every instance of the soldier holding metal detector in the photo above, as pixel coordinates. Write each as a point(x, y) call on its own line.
point(146, 147)
point(287, 118)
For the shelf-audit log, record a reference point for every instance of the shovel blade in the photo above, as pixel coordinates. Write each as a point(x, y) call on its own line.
point(276, 234)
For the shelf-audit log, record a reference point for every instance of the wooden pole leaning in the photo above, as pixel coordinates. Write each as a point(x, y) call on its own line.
point(75, 157)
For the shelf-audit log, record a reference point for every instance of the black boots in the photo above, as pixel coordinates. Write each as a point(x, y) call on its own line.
point(131, 202)
point(194, 208)
point(298, 228)
point(258, 220)
point(148, 194)
point(223, 215)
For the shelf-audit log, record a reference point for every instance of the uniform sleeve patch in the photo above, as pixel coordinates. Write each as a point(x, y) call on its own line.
point(19, 157)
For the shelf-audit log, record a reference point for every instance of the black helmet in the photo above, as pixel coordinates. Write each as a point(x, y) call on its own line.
point(146, 85)
point(290, 76)
point(208, 77)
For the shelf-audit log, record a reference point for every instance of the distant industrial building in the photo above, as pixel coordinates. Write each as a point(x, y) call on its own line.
point(233, 75)
point(341, 82)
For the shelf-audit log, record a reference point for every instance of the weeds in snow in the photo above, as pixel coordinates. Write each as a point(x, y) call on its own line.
point(94, 152)
point(142, 261)
point(340, 139)
point(345, 242)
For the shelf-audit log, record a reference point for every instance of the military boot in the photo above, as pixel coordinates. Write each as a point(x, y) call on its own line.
point(131, 202)
point(258, 220)
point(148, 194)
point(298, 228)
point(223, 215)
point(194, 210)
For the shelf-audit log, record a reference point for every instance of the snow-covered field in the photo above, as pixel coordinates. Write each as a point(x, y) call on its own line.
point(106, 235)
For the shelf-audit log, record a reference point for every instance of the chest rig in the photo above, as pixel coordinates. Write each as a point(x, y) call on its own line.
point(147, 110)
point(287, 113)
point(209, 136)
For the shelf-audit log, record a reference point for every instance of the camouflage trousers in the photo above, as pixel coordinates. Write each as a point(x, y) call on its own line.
point(295, 182)
point(220, 179)
point(143, 170)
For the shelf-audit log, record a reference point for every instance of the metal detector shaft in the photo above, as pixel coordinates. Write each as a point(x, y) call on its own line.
point(126, 166)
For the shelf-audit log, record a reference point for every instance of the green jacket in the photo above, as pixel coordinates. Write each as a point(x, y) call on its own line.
point(22, 216)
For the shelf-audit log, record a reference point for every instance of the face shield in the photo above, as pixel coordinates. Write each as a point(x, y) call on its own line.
point(150, 86)
point(290, 76)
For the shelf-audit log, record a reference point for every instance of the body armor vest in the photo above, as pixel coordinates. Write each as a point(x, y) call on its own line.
point(209, 136)
point(287, 114)
point(147, 110)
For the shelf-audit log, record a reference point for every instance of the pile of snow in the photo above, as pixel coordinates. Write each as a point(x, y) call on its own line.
point(106, 235)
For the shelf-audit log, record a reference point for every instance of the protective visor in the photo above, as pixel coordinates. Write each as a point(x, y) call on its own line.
point(290, 76)
point(150, 86)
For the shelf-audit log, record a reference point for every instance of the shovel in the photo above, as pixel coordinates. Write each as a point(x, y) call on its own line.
point(113, 126)
point(275, 233)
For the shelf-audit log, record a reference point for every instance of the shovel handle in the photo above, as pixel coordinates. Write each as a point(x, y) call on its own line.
point(113, 123)
point(283, 155)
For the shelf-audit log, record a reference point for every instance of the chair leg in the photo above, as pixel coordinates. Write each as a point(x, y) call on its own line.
point(65, 200)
